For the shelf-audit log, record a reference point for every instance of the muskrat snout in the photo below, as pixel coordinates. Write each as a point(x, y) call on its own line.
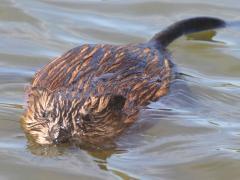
point(58, 134)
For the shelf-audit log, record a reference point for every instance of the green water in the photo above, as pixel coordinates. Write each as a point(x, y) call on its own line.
point(180, 137)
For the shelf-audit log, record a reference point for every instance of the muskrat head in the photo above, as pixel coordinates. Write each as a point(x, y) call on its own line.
point(46, 119)
point(60, 116)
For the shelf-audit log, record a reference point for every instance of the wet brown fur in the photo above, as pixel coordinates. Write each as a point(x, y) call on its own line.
point(95, 74)
point(93, 92)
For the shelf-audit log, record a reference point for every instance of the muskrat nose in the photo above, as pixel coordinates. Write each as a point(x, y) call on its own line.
point(58, 135)
point(54, 134)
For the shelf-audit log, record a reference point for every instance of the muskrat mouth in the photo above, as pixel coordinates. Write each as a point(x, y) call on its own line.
point(60, 141)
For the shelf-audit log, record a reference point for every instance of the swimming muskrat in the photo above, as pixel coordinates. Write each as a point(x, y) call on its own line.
point(93, 92)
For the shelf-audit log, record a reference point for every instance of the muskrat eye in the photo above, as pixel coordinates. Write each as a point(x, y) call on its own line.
point(44, 114)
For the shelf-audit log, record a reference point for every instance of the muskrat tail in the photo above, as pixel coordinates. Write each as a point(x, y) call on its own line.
point(187, 26)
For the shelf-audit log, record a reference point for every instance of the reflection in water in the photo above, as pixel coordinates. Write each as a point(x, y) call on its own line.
point(203, 36)
point(102, 152)
point(99, 156)
point(45, 151)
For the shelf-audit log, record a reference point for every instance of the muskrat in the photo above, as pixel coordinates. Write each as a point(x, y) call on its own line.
point(95, 91)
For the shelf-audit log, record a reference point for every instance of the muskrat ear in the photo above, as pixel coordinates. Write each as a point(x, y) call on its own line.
point(112, 102)
point(116, 102)
point(105, 104)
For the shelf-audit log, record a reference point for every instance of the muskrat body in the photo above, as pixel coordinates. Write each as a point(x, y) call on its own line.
point(93, 92)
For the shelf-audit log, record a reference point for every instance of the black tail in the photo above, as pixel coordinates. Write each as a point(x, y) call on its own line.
point(187, 26)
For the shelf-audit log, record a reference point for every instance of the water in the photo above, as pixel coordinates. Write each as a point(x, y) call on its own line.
point(183, 136)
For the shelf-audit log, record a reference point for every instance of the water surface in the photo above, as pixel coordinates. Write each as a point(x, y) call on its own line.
point(183, 136)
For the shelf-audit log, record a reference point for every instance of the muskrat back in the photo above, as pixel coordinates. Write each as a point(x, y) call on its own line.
point(93, 92)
